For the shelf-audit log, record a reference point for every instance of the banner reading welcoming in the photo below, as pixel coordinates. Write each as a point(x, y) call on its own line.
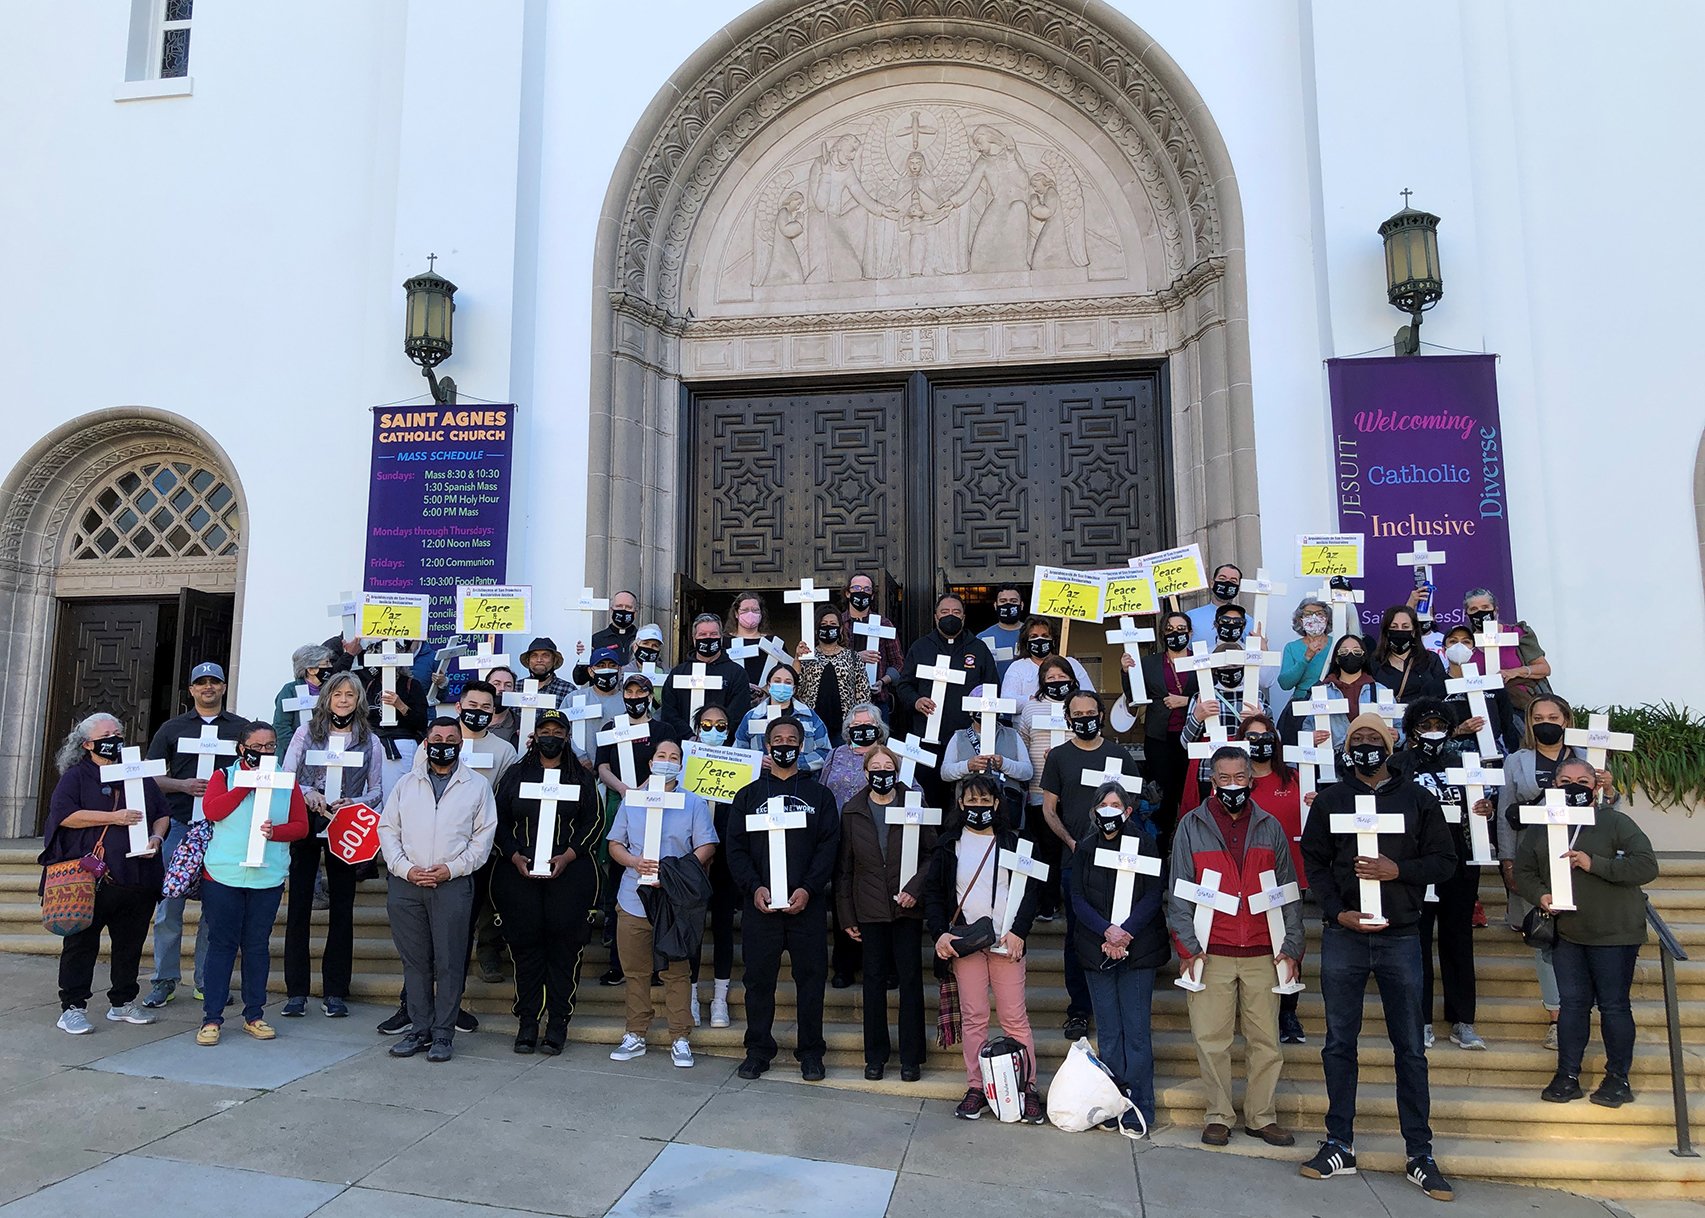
point(438, 507)
point(1419, 456)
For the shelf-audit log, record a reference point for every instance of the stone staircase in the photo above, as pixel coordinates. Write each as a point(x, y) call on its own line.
point(1488, 1121)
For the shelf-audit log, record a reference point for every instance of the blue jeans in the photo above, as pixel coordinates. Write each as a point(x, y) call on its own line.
point(1601, 976)
point(1124, 999)
point(169, 925)
point(1347, 959)
point(1077, 989)
point(241, 919)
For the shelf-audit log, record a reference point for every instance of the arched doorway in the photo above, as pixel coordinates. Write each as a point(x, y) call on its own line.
point(834, 188)
point(121, 556)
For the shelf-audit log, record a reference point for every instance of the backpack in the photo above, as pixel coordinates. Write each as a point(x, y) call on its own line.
point(183, 871)
point(1007, 1072)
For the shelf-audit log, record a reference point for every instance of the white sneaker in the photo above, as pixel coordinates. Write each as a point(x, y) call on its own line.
point(1427, 1037)
point(695, 1010)
point(681, 1053)
point(1464, 1035)
point(1551, 1036)
point(719, 1012)
point(129, 1013)
point(631, 1047)
point(75, 1020)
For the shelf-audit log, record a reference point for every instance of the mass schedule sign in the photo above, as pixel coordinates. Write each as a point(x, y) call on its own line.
point(438, 507)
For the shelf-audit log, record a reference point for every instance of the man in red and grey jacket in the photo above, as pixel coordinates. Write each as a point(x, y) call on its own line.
point(1228, 834)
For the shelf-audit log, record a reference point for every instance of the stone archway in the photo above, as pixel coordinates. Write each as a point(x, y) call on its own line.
point(44, 557)
point(728, 148)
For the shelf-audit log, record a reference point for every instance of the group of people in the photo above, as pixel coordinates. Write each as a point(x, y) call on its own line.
point(888, 822)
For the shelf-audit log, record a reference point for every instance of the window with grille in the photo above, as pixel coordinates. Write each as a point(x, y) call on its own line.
point(157, 55)
point(173, 41)
point(159, 509)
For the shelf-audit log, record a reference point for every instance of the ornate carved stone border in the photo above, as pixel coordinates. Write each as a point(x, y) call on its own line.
point(1087, 56)
point(36, 498)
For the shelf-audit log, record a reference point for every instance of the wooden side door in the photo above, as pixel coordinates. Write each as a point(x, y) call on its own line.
point(204, 633)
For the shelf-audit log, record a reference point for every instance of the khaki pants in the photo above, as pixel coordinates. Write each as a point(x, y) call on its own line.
point(1238, 986)
point(633, 940)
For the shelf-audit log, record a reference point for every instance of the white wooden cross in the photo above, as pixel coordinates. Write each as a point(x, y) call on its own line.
point(1263, 587)
point(776, 819)
point(1307, 757)
point(1127, 861)
point(1340, 599)
point(1271, 900)
point(741, 650)
point(653, 799)
point(387, 662)
point(348, 608)
point(1021, 868)
point(302, 706)
point(1206, 896)
point(1202, 662)
point(477, 761)
point(1421, 559)
point(1324, 702)
point(1216, 736)
point(484, 660)
point(622, 735)
point(1054, 723)
point(1556, 815)
point(334, 759)
point(587, 605)
point(874, 632)
point(263, 781)
point(912, 753)
point(940, 675)
point(1112, 771)
point(580, 712)
point(805, 596)
point(1386, 706)
point(1475, 686)
point(1598, 740)
point(1129, 636)
point(531, 702)
point(911, 816)
point(699, 680)
point(206, 747)
point(1367, 822)
point(1251, 660)
point(1491, 641)
point(990, 707)
point(549, 791)
point(130, 769)
point(1474, 778)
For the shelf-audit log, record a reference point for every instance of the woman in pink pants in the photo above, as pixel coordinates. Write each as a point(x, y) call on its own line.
point(965, 883)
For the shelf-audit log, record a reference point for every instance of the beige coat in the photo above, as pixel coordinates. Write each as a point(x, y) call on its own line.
point(416, 830)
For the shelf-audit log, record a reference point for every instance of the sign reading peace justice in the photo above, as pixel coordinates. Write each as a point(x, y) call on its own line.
point(494, 609)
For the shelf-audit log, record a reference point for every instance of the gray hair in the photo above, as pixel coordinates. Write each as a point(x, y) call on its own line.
point(705, 617)
point(1303, 606)
point(1476, 593)
point(71, 751)
point(866, 708)
point(310, 656)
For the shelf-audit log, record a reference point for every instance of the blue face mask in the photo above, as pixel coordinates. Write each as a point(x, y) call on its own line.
point(780, 692)
point(713, 735)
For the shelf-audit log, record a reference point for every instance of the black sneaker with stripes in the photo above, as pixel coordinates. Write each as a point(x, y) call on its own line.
point(1425, 1175)
point(1331, 1160)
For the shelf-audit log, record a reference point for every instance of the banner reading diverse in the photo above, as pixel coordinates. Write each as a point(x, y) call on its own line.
point(1418, 453)
point(438, 506)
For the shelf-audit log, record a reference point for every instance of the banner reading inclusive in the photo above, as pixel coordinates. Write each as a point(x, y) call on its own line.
point(1418, 455)
point(438, 507)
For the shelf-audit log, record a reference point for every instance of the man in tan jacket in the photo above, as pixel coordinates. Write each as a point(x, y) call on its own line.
point(435, 830)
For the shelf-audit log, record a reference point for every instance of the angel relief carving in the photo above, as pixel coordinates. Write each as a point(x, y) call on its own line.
point(918, 194)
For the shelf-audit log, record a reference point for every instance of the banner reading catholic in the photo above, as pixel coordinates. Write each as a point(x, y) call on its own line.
point(1418, 453)
point(438, 506)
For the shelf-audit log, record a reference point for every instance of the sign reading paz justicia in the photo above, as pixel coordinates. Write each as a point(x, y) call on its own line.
point(1418, 451)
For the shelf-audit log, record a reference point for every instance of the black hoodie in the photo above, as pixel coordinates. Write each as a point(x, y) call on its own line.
point(1423, 852)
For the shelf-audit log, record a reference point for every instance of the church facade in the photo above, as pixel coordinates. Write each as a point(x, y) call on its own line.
point(937, 289)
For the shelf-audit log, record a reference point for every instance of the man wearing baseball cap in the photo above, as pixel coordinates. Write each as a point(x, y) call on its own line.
point(182, 788)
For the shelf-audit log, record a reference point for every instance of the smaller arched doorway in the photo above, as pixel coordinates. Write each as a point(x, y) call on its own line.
point(121, 558)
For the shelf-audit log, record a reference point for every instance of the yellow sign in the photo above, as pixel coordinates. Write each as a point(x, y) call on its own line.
point(393, 615)
point(1129, 591)
point(718, 773)
point(1176, 572)
point(493, 609)
point(1060, 592)
point(1324, 555)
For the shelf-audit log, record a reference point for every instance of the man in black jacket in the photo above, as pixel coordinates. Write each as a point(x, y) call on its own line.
point(801, 927)
point(734, 695)
point(1352, 947)
point(966, 654)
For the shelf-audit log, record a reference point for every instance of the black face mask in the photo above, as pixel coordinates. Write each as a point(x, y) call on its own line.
point(606, 681)
point(706, 647)
point(1108, 821)
point(622, 617)
point(342, 721)
point(882, 781)
point(1178, 640)
point(859, 600)
point(979, 816)
point(110, 749)
point(1263, 747)
point(1431, 745)
point(1480, 620)
point(251, 757)
point(637, 708)
point(1086, 727)
point(550, 746)
point(1009, 613)
point(1039, 646)
point(1400, 640)
point(1548, 734)
point(828, 634)
point(1058, 690)
point(1577, 795)
point(1228, 678)
point(784, 755)
point(950, 625)
point(1225, 589)
point(1229, 630)
point(442, 754)
point(475, 720)
point(864, 734)
point(1351, 664)
point(1368, 759)
point(646, 655)
point(1232, 798)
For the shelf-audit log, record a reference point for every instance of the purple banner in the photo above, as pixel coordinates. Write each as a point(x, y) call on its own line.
point(438, 507)
point(1419, 456)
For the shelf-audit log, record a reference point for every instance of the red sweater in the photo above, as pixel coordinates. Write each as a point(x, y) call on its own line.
point(219, 801)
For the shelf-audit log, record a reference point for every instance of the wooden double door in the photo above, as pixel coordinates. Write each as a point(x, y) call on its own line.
point(927, 482)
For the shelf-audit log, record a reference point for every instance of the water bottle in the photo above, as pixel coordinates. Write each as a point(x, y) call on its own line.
point(1424, 609)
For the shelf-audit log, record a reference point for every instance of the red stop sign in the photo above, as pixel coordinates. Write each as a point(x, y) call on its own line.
point(353, 833)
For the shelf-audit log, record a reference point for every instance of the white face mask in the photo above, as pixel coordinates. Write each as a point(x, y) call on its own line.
point(1314, 625)
point(1459, 653)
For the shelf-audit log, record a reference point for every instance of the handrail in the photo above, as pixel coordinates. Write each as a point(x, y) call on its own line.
point(1669, 951)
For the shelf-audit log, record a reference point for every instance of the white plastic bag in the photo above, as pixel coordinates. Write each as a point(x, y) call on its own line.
point(1083, 1093)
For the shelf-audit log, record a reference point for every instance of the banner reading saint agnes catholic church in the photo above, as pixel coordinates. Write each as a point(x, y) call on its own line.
point(438, 506)
point(1418, 455)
